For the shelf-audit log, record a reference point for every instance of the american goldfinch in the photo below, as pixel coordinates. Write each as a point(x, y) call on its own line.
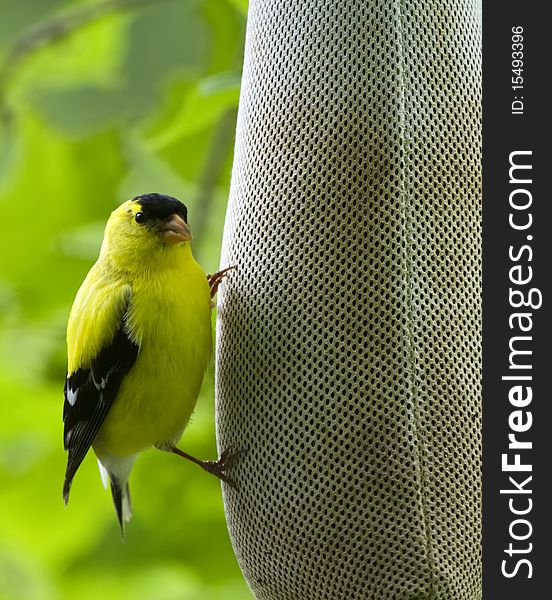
point(138, 340)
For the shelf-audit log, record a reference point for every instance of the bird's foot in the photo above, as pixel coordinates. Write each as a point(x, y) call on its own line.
point(215, 279)
point(219, 468)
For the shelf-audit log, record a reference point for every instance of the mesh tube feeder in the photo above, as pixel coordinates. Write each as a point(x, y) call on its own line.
point(349, 337)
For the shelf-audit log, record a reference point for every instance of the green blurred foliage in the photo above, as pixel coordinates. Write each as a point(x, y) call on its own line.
point(138, 99)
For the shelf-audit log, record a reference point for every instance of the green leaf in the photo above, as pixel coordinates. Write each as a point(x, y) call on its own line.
point(149, 173)
point(17, 17)
point(92, 54)
point(202, 108)
point(81, 242)
point(240, 5)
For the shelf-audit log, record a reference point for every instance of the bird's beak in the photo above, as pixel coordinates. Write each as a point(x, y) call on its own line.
point(175, 230)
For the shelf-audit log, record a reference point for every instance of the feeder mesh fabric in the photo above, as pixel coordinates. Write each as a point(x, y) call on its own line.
point(349, 335)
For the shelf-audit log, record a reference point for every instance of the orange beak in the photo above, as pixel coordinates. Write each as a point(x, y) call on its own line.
point(175, 230)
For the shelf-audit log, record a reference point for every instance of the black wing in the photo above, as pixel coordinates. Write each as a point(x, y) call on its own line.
point(89, 394)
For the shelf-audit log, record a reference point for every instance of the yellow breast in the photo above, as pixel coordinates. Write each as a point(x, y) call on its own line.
point(170, 317)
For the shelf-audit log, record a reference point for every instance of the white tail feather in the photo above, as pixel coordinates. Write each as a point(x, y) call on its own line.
point(103, 474)
point(116, 469)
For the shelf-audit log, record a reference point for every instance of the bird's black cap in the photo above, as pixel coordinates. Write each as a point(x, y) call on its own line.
point(159, 206)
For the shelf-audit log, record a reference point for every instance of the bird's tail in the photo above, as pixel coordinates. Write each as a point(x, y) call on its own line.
point(116, 470)
point(121, 499)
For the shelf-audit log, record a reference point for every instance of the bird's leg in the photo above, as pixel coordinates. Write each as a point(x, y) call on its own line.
point(219, 467)
point(215, 279)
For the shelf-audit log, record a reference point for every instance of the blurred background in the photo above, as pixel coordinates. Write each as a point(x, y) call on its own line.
point(101, 101)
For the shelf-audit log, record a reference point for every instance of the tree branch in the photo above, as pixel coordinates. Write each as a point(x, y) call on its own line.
point(51, 31)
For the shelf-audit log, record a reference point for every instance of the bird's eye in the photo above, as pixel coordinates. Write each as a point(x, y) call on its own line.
point(140, 217)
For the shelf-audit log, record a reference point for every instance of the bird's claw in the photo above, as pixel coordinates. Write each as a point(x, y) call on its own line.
point(220, 467)
point(215, 279)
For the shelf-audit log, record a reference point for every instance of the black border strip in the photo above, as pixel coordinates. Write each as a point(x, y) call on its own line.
point(503, 133)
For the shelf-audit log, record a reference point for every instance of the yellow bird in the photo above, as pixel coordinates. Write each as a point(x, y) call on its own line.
point(138, 341)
